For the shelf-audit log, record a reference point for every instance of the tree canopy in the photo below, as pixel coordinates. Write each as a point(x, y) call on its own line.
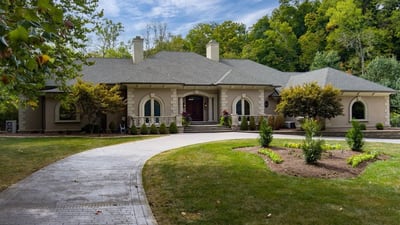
point(41, 41)
point(311, 101)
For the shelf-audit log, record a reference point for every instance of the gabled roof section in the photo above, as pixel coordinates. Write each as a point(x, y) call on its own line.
point(339, 79)
point(251, 73)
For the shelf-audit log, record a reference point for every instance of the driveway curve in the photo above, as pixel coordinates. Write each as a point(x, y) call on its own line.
point(99, 186)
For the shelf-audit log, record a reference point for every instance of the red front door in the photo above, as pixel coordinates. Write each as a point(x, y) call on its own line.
point(194, 107)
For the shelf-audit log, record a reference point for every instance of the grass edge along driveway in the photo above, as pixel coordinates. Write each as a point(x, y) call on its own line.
point(21, 156)
point(211, 184)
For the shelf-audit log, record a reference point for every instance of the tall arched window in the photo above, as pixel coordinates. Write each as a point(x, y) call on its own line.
point(151, 107)
point(358, 111)
point(243, 107)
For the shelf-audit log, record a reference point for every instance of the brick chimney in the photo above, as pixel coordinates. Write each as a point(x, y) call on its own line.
point(137, 54)
point(212, 49)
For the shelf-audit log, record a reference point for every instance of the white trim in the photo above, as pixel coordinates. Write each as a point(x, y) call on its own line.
point(242, 98)
point(151, 97)
point(358, 99)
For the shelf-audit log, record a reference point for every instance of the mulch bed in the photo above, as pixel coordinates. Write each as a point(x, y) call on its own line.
point(331, 165)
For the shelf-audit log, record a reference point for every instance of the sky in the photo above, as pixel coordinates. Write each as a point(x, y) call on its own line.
point(182, 15)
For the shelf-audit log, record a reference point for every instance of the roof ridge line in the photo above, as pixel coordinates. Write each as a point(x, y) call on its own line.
point(223, 77)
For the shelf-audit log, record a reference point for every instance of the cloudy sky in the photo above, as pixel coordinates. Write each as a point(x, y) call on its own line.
point(181, 15)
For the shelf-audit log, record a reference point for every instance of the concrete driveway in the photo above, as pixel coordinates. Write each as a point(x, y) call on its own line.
point(100, 186)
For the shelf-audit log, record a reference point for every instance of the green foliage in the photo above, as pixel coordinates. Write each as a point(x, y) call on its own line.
point(133, 130)
point(265, 134)
point(385, 71)
point(325, 59)
point(354, 137)
point(94, 99)
point(252, 123)
point(173, 129)
point(328, 147)
point(395, 119)
point(310, 100)
point(144, 130)
point(276, 121)
point(153, 129)
point(107, 33)
point(379, 126)
point(312, 148)
point(292, 145)
point(42, 41)
point(163, 129)
point(275, 157)
point(244, 125)
point(355, 160)
point(363, 126)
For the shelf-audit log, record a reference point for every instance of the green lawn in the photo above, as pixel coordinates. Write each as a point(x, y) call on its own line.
point(211, 184)
point(21, 156)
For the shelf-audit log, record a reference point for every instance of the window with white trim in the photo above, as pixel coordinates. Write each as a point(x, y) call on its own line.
point(151, 107)
point(65, 114)
point(358, 110)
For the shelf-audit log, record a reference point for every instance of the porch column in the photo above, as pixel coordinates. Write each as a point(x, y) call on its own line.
point(210, 109)
point(180, 106)
point(215, 108)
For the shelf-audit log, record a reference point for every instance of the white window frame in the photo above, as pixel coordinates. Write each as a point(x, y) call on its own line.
point(358, 99)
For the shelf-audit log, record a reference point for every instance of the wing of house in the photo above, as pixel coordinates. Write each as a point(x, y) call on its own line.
point(161, 88)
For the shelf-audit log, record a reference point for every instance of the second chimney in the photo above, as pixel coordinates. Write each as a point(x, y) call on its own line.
point(137, 54)
point(212, 50)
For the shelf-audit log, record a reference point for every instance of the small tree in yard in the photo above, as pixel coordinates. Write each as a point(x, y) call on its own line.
point(94, 99)
point(312, 148)
point(354, 137)
point(265, 134)
point(310, 101)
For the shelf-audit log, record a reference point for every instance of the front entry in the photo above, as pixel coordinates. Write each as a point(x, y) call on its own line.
point(194, 107)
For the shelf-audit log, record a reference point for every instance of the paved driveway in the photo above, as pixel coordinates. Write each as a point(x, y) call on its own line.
point(100, 186)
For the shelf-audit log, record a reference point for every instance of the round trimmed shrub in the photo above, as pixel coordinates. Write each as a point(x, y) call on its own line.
point(173, 129)
point(163, 129)
point(133, 130)
point(143, 129)
point(153, 129)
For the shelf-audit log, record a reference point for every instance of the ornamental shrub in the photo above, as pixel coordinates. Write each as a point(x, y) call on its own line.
point(265, 134)
point(363, 126)
point(379, 126)
point(163, 129)
point(252, 124)
point(312, 149)
point(243, 124)
point(143, 129)
point(354, 137)
point(134, 130)
point(275, 157)
point(153, 129)
point(173, 129)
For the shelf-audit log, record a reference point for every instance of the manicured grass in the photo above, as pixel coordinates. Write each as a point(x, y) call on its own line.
point(212, 184)
point(21, 156)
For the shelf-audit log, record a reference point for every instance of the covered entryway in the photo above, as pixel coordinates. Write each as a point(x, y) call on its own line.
point(194, 107)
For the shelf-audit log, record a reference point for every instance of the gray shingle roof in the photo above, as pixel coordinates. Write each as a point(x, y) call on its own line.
point(188, 68)
point(339, 79)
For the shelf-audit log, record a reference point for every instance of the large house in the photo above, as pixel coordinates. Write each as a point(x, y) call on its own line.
point(161, 88)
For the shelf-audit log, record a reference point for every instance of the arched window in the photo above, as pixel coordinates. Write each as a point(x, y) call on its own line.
point(358, 110)
point(243, 107)
point(66, 114)
point(151, 107)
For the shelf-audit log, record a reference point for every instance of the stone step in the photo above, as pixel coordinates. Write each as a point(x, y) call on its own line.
point(206, 129)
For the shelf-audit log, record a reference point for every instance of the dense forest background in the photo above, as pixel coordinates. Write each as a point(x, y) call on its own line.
point(361, 37)
point(298, 36)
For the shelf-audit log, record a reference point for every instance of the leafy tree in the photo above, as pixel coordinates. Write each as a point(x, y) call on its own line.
point(94, 99)
point(325, 59)
point(199, 36)
point(231, 37)
point(40, 41)
point(386, 71)
point(108, 33)
point(311, 101)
